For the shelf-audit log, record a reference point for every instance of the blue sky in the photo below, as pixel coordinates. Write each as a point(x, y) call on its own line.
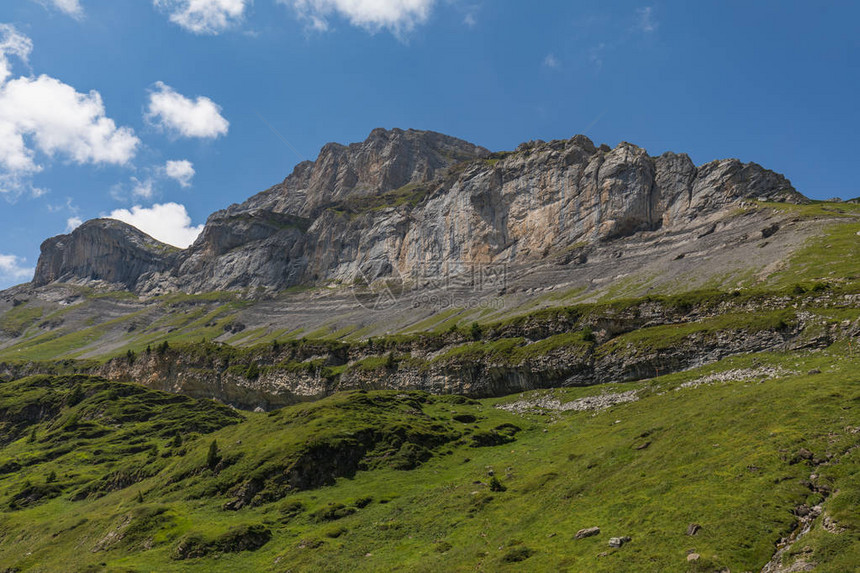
point(97, 96)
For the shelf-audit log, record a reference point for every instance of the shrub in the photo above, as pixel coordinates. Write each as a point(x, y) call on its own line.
point(496, 485)
point(476, 332)
point(212, 458)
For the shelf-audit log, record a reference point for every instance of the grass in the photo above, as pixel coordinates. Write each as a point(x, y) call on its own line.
point(723, 455)
point(16, 321)
point(827, 260)
point(410, 196)
point(554, 342)
point(662, 337)
point(814, 209)
point(832, 256)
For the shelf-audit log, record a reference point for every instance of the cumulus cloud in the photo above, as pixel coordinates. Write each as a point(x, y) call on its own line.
point(168, 222)
point(71, 7)
point(58, 120)
point(73, 223)
point(398, 16)
point(142, 188)
point(44, 115)
point(181, 171)
point(204, 16)
point(12, 269)
point(185, 117)
point(12, 43)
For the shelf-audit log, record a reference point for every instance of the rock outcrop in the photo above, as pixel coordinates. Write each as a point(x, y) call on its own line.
point(409, 202)
point(102, 250)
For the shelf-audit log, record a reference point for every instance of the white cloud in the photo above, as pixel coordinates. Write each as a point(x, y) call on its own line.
point(204, 16)
point(398, 16)
point(12, 43)
point(142, 188)
point(73, 223)
point(550, 61)
point(12, 269)
point(168, 222)
point(70, 7)
point(646, 22)
point(179, 115)
point(58, 120)
point(43, 114)
point(182, 171)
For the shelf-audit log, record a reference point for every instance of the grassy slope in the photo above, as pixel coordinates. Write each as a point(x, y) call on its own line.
point(831, 256)
point(723, 455)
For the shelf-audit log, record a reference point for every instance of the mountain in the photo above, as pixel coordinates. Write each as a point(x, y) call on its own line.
point(102, 249)
point(416, 354)
point(415, 260)
point(407, 202)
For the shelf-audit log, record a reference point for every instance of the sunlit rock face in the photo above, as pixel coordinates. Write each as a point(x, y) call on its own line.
point(402, 200)
point(103, 250)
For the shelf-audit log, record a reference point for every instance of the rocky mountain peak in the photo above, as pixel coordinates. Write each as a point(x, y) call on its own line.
point(401, 199)
point(386, 160)
point(102, 250)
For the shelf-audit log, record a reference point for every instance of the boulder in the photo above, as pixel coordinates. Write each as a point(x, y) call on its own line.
point(619, 541)
point(588, 532)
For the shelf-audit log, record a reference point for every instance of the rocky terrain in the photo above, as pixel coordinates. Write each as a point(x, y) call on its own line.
point(415, 353)
point(410, 237)
point(413, 204)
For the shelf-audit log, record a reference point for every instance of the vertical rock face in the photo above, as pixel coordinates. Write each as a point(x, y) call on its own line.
point(673, 180)
point(407, 199)
point(102, 250)
point(386, 160)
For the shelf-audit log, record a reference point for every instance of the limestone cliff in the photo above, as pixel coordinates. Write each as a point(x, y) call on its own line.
point(403, 200)
point(102, 250)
